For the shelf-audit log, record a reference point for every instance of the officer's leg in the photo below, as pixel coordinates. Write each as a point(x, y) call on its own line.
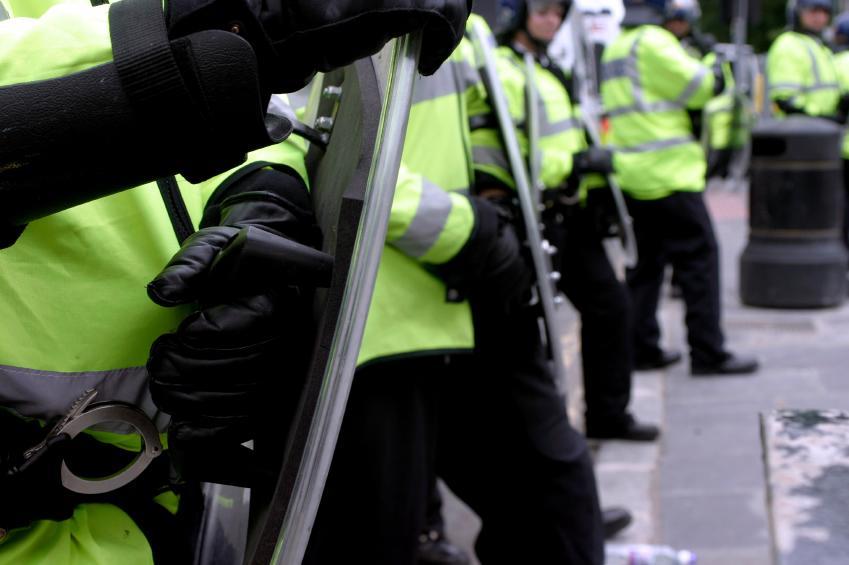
point(506, 448)
point(845, 232)
point(591, 285)
point(694, 254)
point(374, 502)
point(646, 279)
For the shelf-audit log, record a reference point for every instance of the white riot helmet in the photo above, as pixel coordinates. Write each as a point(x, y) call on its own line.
point(602, 19)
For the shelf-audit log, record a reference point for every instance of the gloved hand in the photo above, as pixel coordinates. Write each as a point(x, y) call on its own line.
point(32, 490)
point(295, 38)
point(244, 350)
point(843, 109)
point(718, 163)
point(490, 267)
point(718, 77)
point(594, 160)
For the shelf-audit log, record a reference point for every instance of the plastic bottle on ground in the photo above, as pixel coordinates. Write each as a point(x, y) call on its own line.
point(638, 554)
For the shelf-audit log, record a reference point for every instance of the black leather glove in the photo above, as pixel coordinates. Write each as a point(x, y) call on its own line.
point(718, 77)
point(242, 354)
point(843, 109)
point(718, 163)
point(788, 107)
point(594, 160)
point(603, 213)
point(490, 268)
point(295, 38)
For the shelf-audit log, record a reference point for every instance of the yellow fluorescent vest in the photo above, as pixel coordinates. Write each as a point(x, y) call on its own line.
point(430, 222)
point(801, 70)
point(72, 293)
point(561, 134)
point(649, 83)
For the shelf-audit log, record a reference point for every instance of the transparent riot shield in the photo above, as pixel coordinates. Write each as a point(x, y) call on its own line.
point(588, 93)
point(356, 123)
point(528, 192)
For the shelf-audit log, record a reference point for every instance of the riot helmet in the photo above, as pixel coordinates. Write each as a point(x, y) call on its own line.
point(795, 17)
point(643, 12)
point(681, 19)
point(684, 10)
point(602, 19)
point(841, 30)
point(513, 16)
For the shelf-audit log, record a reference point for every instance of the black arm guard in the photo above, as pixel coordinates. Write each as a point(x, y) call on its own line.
point(190, 106)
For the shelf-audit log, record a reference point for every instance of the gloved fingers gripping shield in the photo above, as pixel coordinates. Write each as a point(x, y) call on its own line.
point(297, 38)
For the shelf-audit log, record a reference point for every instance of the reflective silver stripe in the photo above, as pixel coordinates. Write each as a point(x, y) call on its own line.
point(693, 87)
point(815, 68)
point(614, 69)
point(429, 222)
point(490, 156)
point(547, 128)
point(655, 145)
point(452, 78)
point(47, 394)
point(803, 88)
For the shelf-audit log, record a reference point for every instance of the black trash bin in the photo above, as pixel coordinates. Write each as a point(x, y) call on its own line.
point(795, 257)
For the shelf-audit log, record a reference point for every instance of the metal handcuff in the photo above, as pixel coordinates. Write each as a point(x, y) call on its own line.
point(82, 416)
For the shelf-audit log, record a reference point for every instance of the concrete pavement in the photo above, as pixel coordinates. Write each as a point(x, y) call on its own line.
point(702, 486)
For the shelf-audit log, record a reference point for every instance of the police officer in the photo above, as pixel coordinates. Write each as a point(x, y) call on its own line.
point(801, 74)
point(681, 19)
point(75, 262)
point(588, 279)
point(442, 247)
point(649, 85)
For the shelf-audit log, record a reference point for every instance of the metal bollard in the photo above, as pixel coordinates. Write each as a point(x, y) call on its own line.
point(795, 257)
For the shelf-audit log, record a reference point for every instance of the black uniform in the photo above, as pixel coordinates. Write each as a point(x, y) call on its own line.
point(590, 283)
point(677, 230)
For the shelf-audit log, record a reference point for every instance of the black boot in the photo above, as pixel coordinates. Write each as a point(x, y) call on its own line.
point(615, 520)
point(659, 361)
point(627, 428)
point(731, 365)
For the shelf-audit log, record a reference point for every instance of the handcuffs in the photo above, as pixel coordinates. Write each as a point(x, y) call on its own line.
point(82, 416)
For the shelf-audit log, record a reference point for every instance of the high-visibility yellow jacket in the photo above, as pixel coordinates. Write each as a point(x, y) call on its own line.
point(560, 131)
point(649, 83)
point(800, 70)
point(431, 221)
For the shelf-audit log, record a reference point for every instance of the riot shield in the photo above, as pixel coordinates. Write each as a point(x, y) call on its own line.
point(588, 94)
point(529, 196)
point(357, 123)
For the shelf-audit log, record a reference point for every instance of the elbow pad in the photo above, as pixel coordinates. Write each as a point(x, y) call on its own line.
point(190, 106)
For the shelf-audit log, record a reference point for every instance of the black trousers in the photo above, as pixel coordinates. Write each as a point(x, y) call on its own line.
point(590, 283)
point(677, 230)
point(373, 506)
point(506, 448)
point(493, 426)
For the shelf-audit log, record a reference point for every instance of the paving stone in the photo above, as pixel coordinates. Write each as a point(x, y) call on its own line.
point(713, 520)
point(704, 472)
point(757, 555)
